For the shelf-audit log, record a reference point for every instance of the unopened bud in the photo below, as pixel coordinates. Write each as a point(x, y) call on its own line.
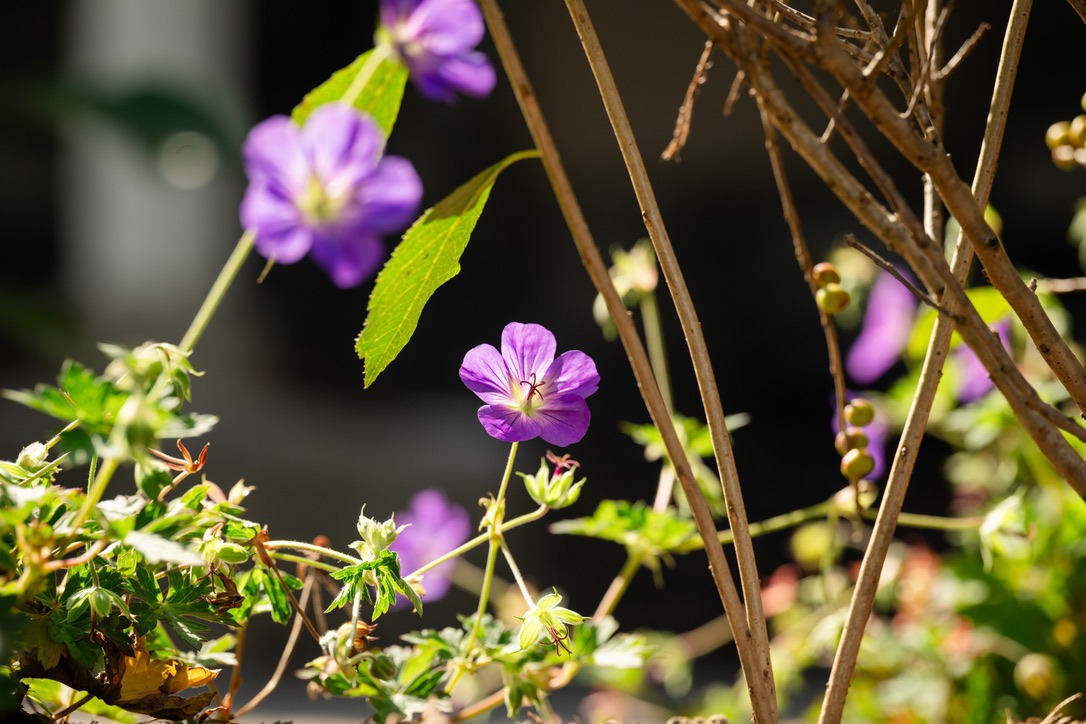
point(859, 412)
point(850, 439)
point(857, 463)
point(825, 273)
point(1058, 134)
point(832, 298)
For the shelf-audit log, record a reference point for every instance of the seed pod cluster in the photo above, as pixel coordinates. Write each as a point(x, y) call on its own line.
point(831, 297)
point(1067, 141)
point(851, 443)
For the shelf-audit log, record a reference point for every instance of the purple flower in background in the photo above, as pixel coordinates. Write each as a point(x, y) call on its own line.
point(436, 40)
point(888, 322)
point(528, 392)
point(324, 189)
point(973, 379)
point(436, 527)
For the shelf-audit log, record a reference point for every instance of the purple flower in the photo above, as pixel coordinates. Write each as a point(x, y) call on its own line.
point(528, 393)
point(435, 527)
point(326, 190)
point(888, 322)
point(436, 40)
point(973, 379)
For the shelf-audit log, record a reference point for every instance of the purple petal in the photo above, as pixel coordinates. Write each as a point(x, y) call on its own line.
point(563, 419)
point(484, 372)
point(528, 350)
point(280, 230)
point(509, 424)
point(887, 325)
point(389, 198)
point(436, 527)
point(572, 373)
point(274, 152)
point(446, 27)
point(348, 260)
point(470, 74)
point(973, 379)
point(343, 146)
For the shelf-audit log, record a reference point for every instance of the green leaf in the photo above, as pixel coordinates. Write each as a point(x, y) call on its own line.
point(427, 257)
point(380, 97)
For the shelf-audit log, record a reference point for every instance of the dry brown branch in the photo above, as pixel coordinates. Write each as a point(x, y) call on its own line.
point(893, 271)
point(760, 675)
point(963, 51)
point(635, 351)
point(682, 121)
point(1079, 6)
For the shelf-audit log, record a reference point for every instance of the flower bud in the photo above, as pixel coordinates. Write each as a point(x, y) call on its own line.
point(376, 536)
point(1076, 131)
point(857, 463)
point(832, 298)
point(32, 457)
point(859, 412)
point(850, 439)
point(232, 553)
point(554, 491)
point(1063, 157)
point(382, 667)
point(825, 273)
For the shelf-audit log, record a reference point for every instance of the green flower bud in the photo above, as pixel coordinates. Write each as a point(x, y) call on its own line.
point(232, 554)
point(1076, 131)
point(376, 536)
point(382, 667)
point(859, 412)
point(555, 491)
point(1063, 157)
point(850, 439)
point(1058, 134)
point(825, 273)
point(32, 457)
point(857, 463)
point(832, 298)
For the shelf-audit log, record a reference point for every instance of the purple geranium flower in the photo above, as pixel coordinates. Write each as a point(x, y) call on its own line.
point(436, 40)
point(326, 190)
point(436, 527)
point(973, 379)
point(528, 392)
point(888, 322)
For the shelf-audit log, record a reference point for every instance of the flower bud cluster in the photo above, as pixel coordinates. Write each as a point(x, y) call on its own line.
point(1067, 141)
point(557, 490)
point(851, 443)
point(377, 536)
point(831, 297)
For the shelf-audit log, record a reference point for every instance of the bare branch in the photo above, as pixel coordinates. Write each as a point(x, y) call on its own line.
point(893, 271)
point(682, 121)
point(963, 51)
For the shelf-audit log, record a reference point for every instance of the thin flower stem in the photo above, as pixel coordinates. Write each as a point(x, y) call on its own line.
point(495, 533)
point(291, 558)
point(863, 596)
point(618, 586)
point(218, 291)
point(516, 573)
point(95, 489)
point(759, 669)
point(654, 341)
point(380, 53)
point(480, 539)
point(298, 545)
point(284, 659)
point(631, 342)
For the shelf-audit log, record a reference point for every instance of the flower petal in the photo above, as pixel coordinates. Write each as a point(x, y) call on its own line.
point(274, 152)
point(530, 632)
point(973, 379)
point(280, 231)
point(887, 325)
point(563, 419)
point(348, 260)
point(343, 147)
point(446, 27)
point(484, 372)
point(470, 74)
point(572, 373)
point(528, 350)
point(508, 424)
point(389, 199)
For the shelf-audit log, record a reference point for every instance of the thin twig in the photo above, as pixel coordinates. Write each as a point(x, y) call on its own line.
point(884, 264)
point(635, 351)
point(957, 58)
point(1079, 7)
point(1058, 286)
point(686, 110)
point(760, 679)
point(844, 663)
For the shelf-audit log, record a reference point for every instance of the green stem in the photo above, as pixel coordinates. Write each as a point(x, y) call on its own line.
point(618, 586)
point(480, 539)
point(932, 522)
point(516, 573)
point(291, 558)
point(495, 534)
point(312, 548)
point(218, 291)
point(654, 343)
point(95, 490)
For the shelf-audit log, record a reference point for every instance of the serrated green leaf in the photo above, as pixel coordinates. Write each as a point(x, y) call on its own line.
point(380, 97)
point(427, 257)
point(157, 549)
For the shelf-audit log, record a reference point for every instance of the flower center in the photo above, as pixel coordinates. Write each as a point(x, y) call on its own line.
point(533, 390)
point(316, 205)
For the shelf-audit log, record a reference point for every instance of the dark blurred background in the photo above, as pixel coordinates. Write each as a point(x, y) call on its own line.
point(113, 227)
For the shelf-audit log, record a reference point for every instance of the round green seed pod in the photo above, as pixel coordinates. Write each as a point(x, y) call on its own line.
point(826, 273)
point(832, 299)
point(857, 463)
point(1063, 157)
point(859, 412)
point(1076, 131)
point(1058, 134)
point(850, 439)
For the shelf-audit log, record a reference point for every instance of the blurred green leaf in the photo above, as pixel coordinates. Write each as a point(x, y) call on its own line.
point(380, 98)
